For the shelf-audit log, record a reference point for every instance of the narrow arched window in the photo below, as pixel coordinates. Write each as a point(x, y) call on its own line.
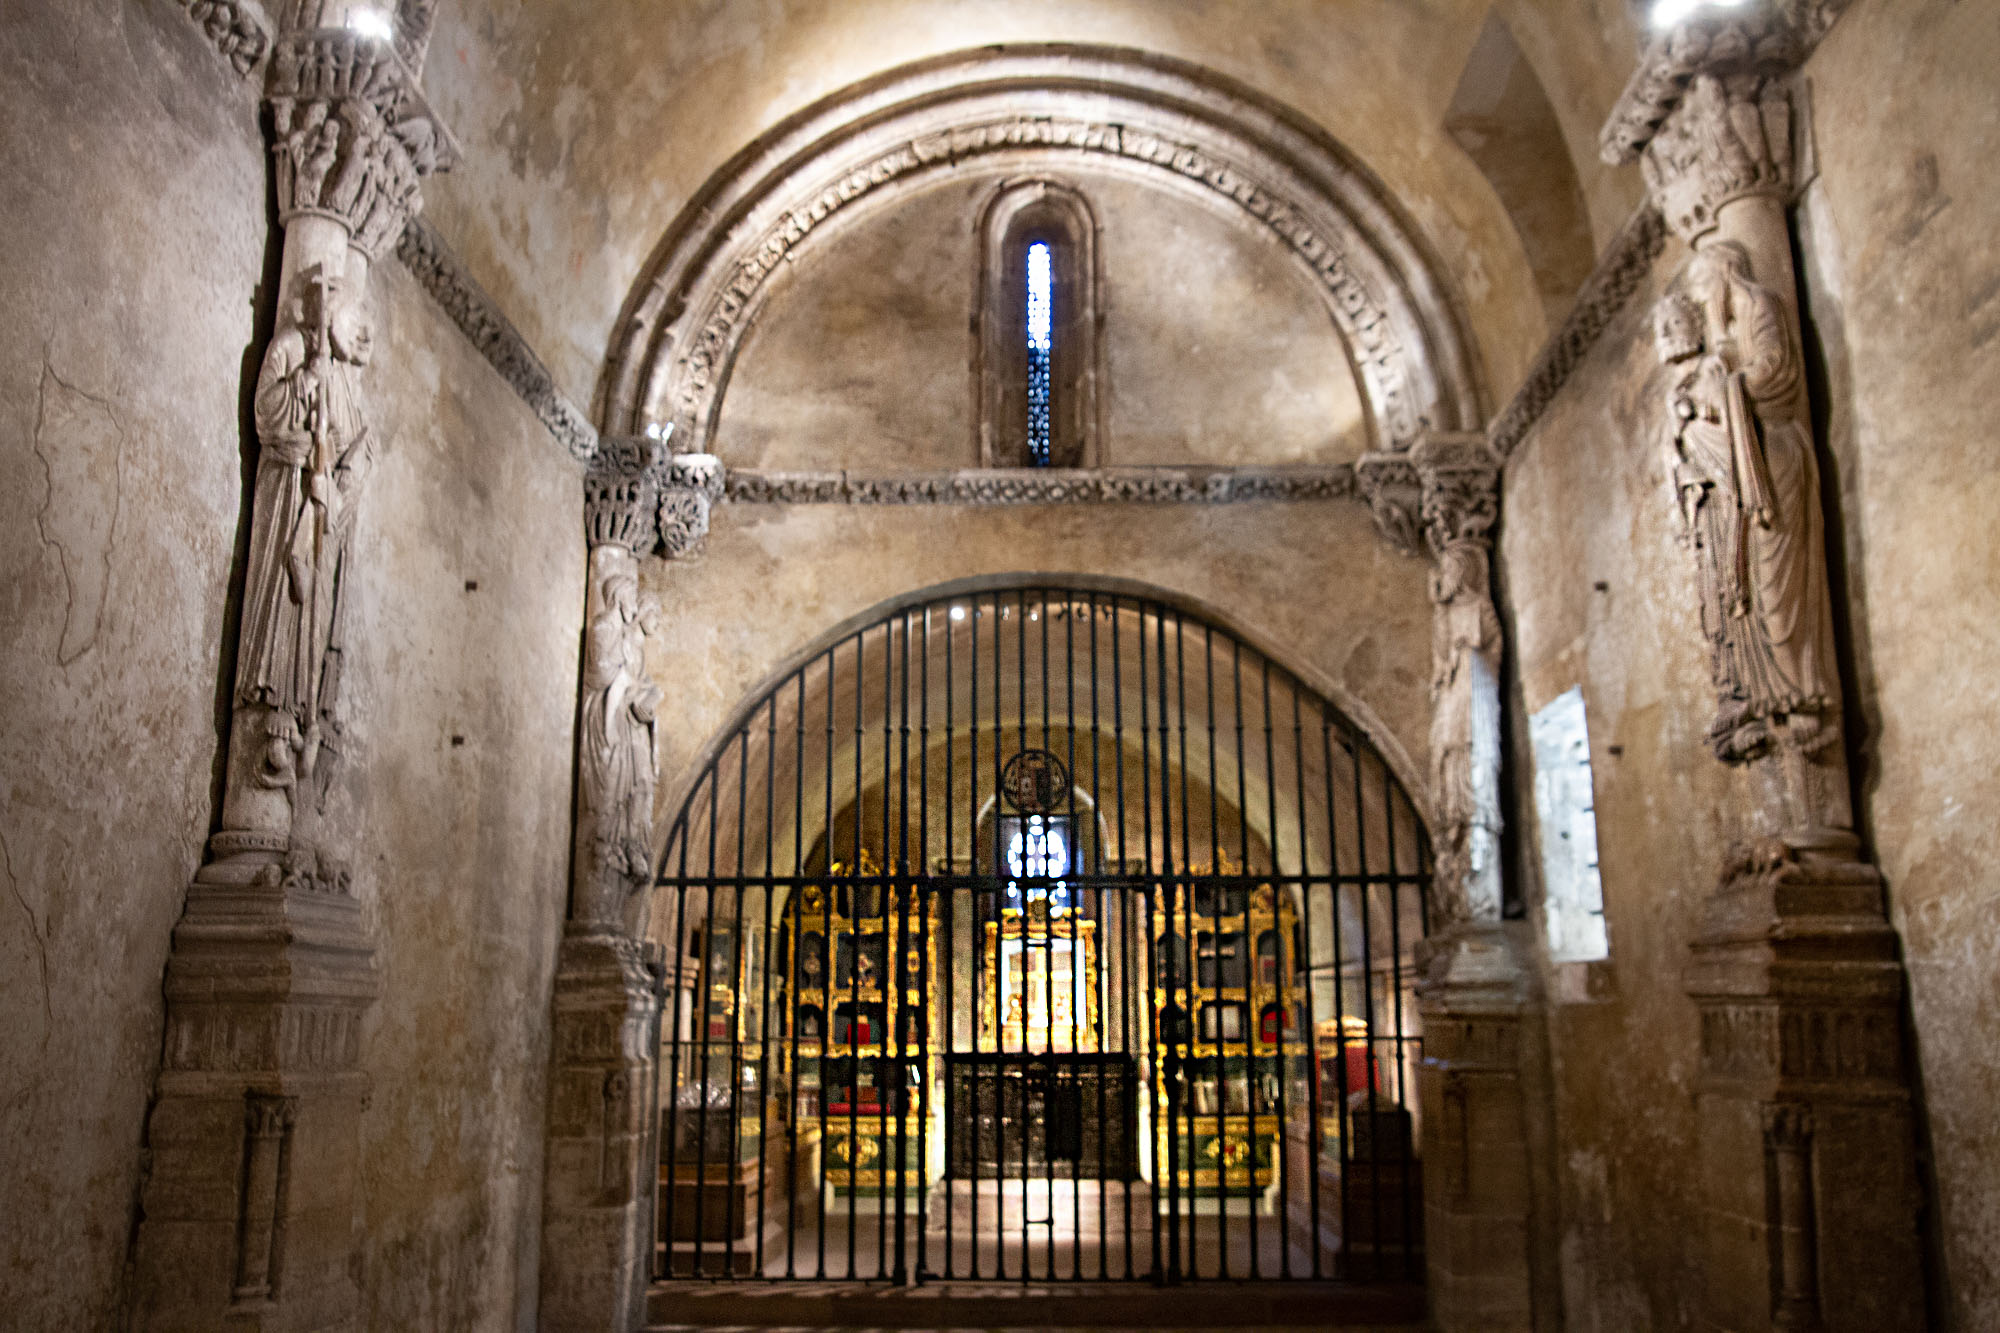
point(1037, 329)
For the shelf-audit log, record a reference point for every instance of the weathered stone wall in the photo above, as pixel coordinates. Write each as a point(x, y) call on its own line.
point(1906, 295)
point(135, 270)
point(1897, 258)
point(589, 124)
point(469, 611)
point(1598, 593)
point(132, 245)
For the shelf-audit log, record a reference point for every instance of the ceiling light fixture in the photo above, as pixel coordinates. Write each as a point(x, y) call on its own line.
point(370, 23)
point(1666, 13)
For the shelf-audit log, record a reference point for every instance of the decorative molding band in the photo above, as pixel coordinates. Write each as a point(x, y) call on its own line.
point(439, 271)
point(238, 28)
point(1610, 285)
point(1030, 486)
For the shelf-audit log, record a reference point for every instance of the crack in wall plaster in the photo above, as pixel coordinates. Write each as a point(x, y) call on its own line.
point(76, 436)
point(38, 932)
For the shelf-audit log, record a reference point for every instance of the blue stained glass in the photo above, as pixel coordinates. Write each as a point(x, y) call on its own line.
point(1041, 324)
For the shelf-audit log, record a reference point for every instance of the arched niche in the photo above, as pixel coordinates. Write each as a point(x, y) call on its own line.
point(1035, 108)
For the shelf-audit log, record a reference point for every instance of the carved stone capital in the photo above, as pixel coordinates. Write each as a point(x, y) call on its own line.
point(1389, 483)
point(1709, 112)
point(621, 493)
point(690, 488)
point(351, 134)
point(1460, 480)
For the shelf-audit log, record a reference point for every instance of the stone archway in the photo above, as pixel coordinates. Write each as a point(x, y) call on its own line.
point(1039, 106)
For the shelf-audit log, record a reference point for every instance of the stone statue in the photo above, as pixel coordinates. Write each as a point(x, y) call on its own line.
point(1464, 641)
point(315, 455)
point(619, 763)
point(1746, 489)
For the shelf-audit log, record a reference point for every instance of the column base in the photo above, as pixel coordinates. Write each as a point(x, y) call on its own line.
point(249, 1207)
point(1810, 1190)
point(1476, 1181)
point(603, 1150)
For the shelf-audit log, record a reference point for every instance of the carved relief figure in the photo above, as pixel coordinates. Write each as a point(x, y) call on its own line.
point(618, 758)
point(1464, 638)
point(315, 454)
point(1746, 489)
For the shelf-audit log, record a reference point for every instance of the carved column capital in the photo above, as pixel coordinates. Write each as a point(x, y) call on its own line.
point(1388, 481)
point(692, 485)
point(351, 134)
point(1460, 481)
point(621, 493)
point(1708, 113)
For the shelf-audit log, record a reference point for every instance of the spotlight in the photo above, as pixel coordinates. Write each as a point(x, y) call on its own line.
point(958, 613)
point(371, 23)
point(657, 431)
point(1666, 13)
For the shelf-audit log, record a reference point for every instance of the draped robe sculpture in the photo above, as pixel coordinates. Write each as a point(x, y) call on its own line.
point(619, 763)
point(314, 456)
point(1746, 488)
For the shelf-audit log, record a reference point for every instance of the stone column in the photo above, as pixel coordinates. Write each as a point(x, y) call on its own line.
point(603, 1153)
point(1474, 992)
point(249, 1209)
point(1807, 1143)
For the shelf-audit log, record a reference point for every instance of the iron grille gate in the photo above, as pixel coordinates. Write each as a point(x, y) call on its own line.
point(1045, 933)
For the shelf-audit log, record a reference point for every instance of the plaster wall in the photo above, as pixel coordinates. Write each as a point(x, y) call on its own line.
point(1216, 346)
point(1898, 238)
point(588, 124)
point(132, 262)
point(468, 617)
point(1598, 594)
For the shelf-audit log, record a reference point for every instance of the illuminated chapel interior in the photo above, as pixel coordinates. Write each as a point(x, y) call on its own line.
point(997, 663)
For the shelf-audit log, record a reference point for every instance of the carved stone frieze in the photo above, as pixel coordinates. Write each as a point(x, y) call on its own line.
point(438, 270)
point(1012, 486)
point(1460, 479)
point(238, 28)
point(351, 134)
point(1618, 274)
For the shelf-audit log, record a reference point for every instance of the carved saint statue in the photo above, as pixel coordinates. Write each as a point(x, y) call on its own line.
point(1464, 702)
point(1746, 490)
point(314, 456)
point(620, 767)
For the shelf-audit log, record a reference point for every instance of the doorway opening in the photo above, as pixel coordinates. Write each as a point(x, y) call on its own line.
point(1041, 933)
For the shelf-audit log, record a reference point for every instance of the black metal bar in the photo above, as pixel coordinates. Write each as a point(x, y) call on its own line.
point(1125, 932)
point(736, 1010)
point(792, 908)
point(891, 964)
point(1021, 742)
point(853, 1046)
point(1278, 954)
point(950, 1027)
point(1290, 948)
point(1339, 998)
point(706, 984)
point(1103, 925)
point(1183, 959)
point(976, 990)
point(764, 974)
point(830, 949)
point(1369, 1077)
point(1396, 995)
point(924, 935)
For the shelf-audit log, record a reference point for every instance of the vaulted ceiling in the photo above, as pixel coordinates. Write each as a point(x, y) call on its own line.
point(590, 124)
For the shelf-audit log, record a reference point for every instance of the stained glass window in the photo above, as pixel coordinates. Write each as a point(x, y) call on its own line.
point(1041, 316)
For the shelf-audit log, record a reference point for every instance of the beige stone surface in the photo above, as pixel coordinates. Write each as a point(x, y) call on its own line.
point(132, 243)
point(1597, 593)
point(1901, 226)
point(460, 813)
point(1313, 582)
point(589, 124)
point(1217, 346)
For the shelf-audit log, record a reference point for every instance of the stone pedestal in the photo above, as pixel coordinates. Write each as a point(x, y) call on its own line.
point(1810, 1195)
point(603, 1151)
point(249, 1215)
point(1476, 1233)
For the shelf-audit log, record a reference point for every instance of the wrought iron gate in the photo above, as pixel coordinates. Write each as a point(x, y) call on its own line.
point(1040, 933)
